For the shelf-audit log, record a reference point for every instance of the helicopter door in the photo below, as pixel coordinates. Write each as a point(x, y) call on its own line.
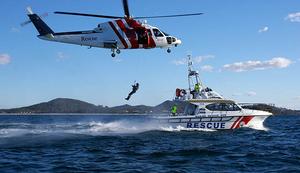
point(142, 36)
point(160, 38)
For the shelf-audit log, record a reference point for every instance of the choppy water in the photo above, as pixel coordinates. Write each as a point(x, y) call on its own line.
point(136, 144)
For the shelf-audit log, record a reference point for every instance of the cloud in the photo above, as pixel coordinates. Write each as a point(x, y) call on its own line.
point(4, 59)
point(237, 94)
point(293, 17)
point(264, 29)
point(207, 68)
point(277, 62)
point(15, 30)
point(117, 60)
point(199, 59)
point(297, 98)
point(62, 56)
point(251, 93)
point(180, 62)
point(196, 60)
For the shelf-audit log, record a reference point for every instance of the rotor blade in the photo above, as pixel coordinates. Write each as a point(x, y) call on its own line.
point(25, 23)
point(176, 15)
point(126, 8)
point(88, 15)
point(44, 15)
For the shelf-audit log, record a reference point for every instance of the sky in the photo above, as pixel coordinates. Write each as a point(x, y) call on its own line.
point(248, 51)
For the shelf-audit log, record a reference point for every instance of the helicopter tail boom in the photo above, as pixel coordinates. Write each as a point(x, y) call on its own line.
point(40, 25)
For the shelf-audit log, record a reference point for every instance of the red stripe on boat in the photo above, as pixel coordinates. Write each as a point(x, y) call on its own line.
point(245, 120)
point(233, 125)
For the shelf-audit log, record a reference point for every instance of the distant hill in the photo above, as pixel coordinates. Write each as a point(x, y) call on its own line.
point(65, 105)
point(59, 105)
point(274, 110)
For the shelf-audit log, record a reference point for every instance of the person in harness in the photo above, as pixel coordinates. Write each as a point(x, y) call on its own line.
point(135, 87)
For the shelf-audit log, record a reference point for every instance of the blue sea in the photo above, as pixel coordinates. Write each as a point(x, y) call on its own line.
point(124, 143)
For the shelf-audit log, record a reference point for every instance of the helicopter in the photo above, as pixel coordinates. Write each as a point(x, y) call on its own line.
point(123, 32)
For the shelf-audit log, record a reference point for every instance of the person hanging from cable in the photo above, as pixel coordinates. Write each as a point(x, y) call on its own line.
point(135, 87)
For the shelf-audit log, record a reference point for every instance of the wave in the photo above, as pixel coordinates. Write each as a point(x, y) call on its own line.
point(87, 128)
point(98, 128)
point(180, 128)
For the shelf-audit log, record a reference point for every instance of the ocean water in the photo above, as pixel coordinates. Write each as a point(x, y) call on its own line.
point(112, 143)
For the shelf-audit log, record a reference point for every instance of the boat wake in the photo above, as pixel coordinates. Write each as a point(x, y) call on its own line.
point(97, 128)
point(180, 128)
point(93, 128)
point(258, 126)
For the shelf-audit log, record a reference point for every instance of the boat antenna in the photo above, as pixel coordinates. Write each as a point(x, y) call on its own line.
point(190, 64)
point(192, 73)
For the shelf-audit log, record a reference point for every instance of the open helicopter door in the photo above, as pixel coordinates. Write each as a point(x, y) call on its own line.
point(142, 36)
point(159, 37)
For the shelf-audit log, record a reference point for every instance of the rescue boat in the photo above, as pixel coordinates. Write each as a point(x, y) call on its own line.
point(207, 109)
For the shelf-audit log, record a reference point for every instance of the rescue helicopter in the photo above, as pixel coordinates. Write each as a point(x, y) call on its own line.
point(123, 32)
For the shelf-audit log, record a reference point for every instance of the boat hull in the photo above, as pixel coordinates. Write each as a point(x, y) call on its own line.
point(225, 122)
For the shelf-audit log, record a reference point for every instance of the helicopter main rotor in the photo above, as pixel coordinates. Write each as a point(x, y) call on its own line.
point(127, 14)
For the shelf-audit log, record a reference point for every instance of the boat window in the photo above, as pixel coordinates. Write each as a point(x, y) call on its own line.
point(157, 33)
point(223, 107)
point(190, 109)
point(201, 111)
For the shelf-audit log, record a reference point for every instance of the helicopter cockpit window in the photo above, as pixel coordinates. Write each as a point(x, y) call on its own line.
point(165, 33)
point(157, 33)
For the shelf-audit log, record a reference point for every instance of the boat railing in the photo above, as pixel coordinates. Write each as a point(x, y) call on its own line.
point(185, 94)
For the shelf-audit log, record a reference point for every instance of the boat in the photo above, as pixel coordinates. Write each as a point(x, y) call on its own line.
point(207, 109)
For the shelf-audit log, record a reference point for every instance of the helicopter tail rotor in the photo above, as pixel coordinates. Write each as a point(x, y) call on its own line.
point(30, 12)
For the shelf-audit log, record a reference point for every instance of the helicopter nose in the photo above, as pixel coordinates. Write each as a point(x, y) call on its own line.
point(177, 42)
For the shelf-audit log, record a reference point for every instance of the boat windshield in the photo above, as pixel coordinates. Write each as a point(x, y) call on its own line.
point(190, 109)
point(223, 107)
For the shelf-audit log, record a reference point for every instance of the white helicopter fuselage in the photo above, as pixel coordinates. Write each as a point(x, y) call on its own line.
point(117, 34)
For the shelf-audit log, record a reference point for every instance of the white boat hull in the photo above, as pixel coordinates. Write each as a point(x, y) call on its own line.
point(226, 122)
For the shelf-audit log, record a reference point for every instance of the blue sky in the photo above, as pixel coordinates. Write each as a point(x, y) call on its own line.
point(246, 50)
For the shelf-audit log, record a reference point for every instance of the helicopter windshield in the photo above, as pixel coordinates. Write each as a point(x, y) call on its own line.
point(165, 33)
point(157, 33)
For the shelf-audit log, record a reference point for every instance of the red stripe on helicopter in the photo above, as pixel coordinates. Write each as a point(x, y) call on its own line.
point(134, 24)
point(118, 34)
point(130, 33)
point(233, 125)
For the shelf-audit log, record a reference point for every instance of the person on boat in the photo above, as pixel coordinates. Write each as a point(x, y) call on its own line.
point(174, 110)
point(183, 94)
point(135, 87)
point(196, 90)
point(177, 93)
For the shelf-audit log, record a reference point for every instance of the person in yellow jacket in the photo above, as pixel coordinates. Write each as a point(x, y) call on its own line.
point(174, 110)
point(196, 90)
point(197, 87)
